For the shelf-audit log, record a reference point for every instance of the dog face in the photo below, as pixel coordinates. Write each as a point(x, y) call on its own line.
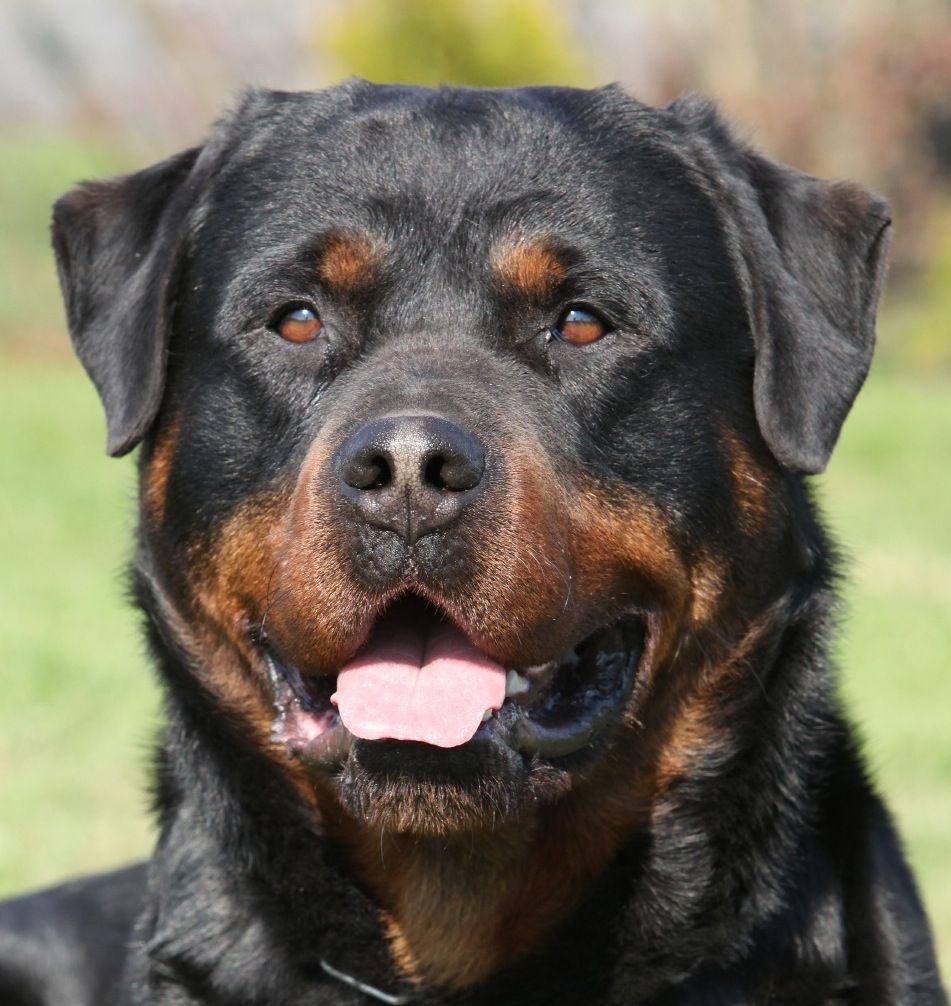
point(472, 423)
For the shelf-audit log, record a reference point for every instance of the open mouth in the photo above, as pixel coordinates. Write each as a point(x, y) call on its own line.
point(418, 678)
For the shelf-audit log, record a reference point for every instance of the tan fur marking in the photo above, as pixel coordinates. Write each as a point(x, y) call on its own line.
point(693, 731)
point(752, 483)
point(349, 261)
point(709, 582)
point(630, 552)
point(458, 910)
point(530, 268)
point(158, 470)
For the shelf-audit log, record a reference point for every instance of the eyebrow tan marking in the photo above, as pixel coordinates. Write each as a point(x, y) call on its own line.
point(530, 267)
point(349, 261)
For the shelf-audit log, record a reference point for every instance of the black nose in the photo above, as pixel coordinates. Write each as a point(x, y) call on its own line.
point(411, 474)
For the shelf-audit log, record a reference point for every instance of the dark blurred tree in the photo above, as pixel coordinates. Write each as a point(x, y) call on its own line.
point(492, 43)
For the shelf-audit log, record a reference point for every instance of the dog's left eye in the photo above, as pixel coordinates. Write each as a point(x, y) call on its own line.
point(299, 325)
point(579, 327)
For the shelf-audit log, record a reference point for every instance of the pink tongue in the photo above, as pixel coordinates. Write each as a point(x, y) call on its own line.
point(407, 687)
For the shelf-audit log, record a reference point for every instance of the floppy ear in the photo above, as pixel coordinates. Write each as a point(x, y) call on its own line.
point(119, 247)
point(811, 256)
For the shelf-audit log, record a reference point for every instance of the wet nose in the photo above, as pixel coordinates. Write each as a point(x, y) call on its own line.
point(411, 474)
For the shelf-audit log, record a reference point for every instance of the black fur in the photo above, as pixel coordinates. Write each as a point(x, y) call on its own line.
point(740, 296)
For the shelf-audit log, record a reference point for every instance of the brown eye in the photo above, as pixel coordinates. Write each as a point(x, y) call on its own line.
point(580, 327)
point(299, 325)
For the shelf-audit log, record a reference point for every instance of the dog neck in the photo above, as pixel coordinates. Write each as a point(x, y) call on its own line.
point(457, 910)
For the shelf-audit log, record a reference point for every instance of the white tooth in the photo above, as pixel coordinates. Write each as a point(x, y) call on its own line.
point(515, 684)
point(487, 715)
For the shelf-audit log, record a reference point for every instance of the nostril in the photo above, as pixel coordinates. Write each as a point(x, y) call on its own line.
point(433, 472)
point(454, 471)
point(368, 470)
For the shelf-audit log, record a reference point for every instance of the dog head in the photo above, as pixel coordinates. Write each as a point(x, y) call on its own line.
point(469, 419)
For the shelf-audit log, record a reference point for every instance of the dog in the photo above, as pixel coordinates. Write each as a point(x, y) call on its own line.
point(479, 564)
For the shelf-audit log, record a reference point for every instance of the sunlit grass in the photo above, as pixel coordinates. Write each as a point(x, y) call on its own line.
point(888, 493)
point(78, 705)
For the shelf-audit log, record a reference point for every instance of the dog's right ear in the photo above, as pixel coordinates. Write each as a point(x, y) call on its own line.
point(119, 247)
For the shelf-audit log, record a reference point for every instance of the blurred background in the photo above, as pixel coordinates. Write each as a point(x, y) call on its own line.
point(860, 88)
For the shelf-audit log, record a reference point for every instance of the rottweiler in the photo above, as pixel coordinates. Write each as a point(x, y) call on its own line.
point(479, 563)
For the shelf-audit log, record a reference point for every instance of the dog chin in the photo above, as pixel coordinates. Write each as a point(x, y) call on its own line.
point(414, 788)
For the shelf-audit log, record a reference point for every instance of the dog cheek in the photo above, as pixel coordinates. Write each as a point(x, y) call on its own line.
point(316, 613)
point(317, 607)
point(227, 591)
point(629, 553)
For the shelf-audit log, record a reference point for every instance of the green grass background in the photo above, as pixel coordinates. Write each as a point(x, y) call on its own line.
point(78, 704)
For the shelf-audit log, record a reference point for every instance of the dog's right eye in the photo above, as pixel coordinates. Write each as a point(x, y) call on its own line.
point(302, 324)
point(579, 327)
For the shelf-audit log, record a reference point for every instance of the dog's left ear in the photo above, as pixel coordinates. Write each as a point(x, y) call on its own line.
point(811, 256)
point(119, 246)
